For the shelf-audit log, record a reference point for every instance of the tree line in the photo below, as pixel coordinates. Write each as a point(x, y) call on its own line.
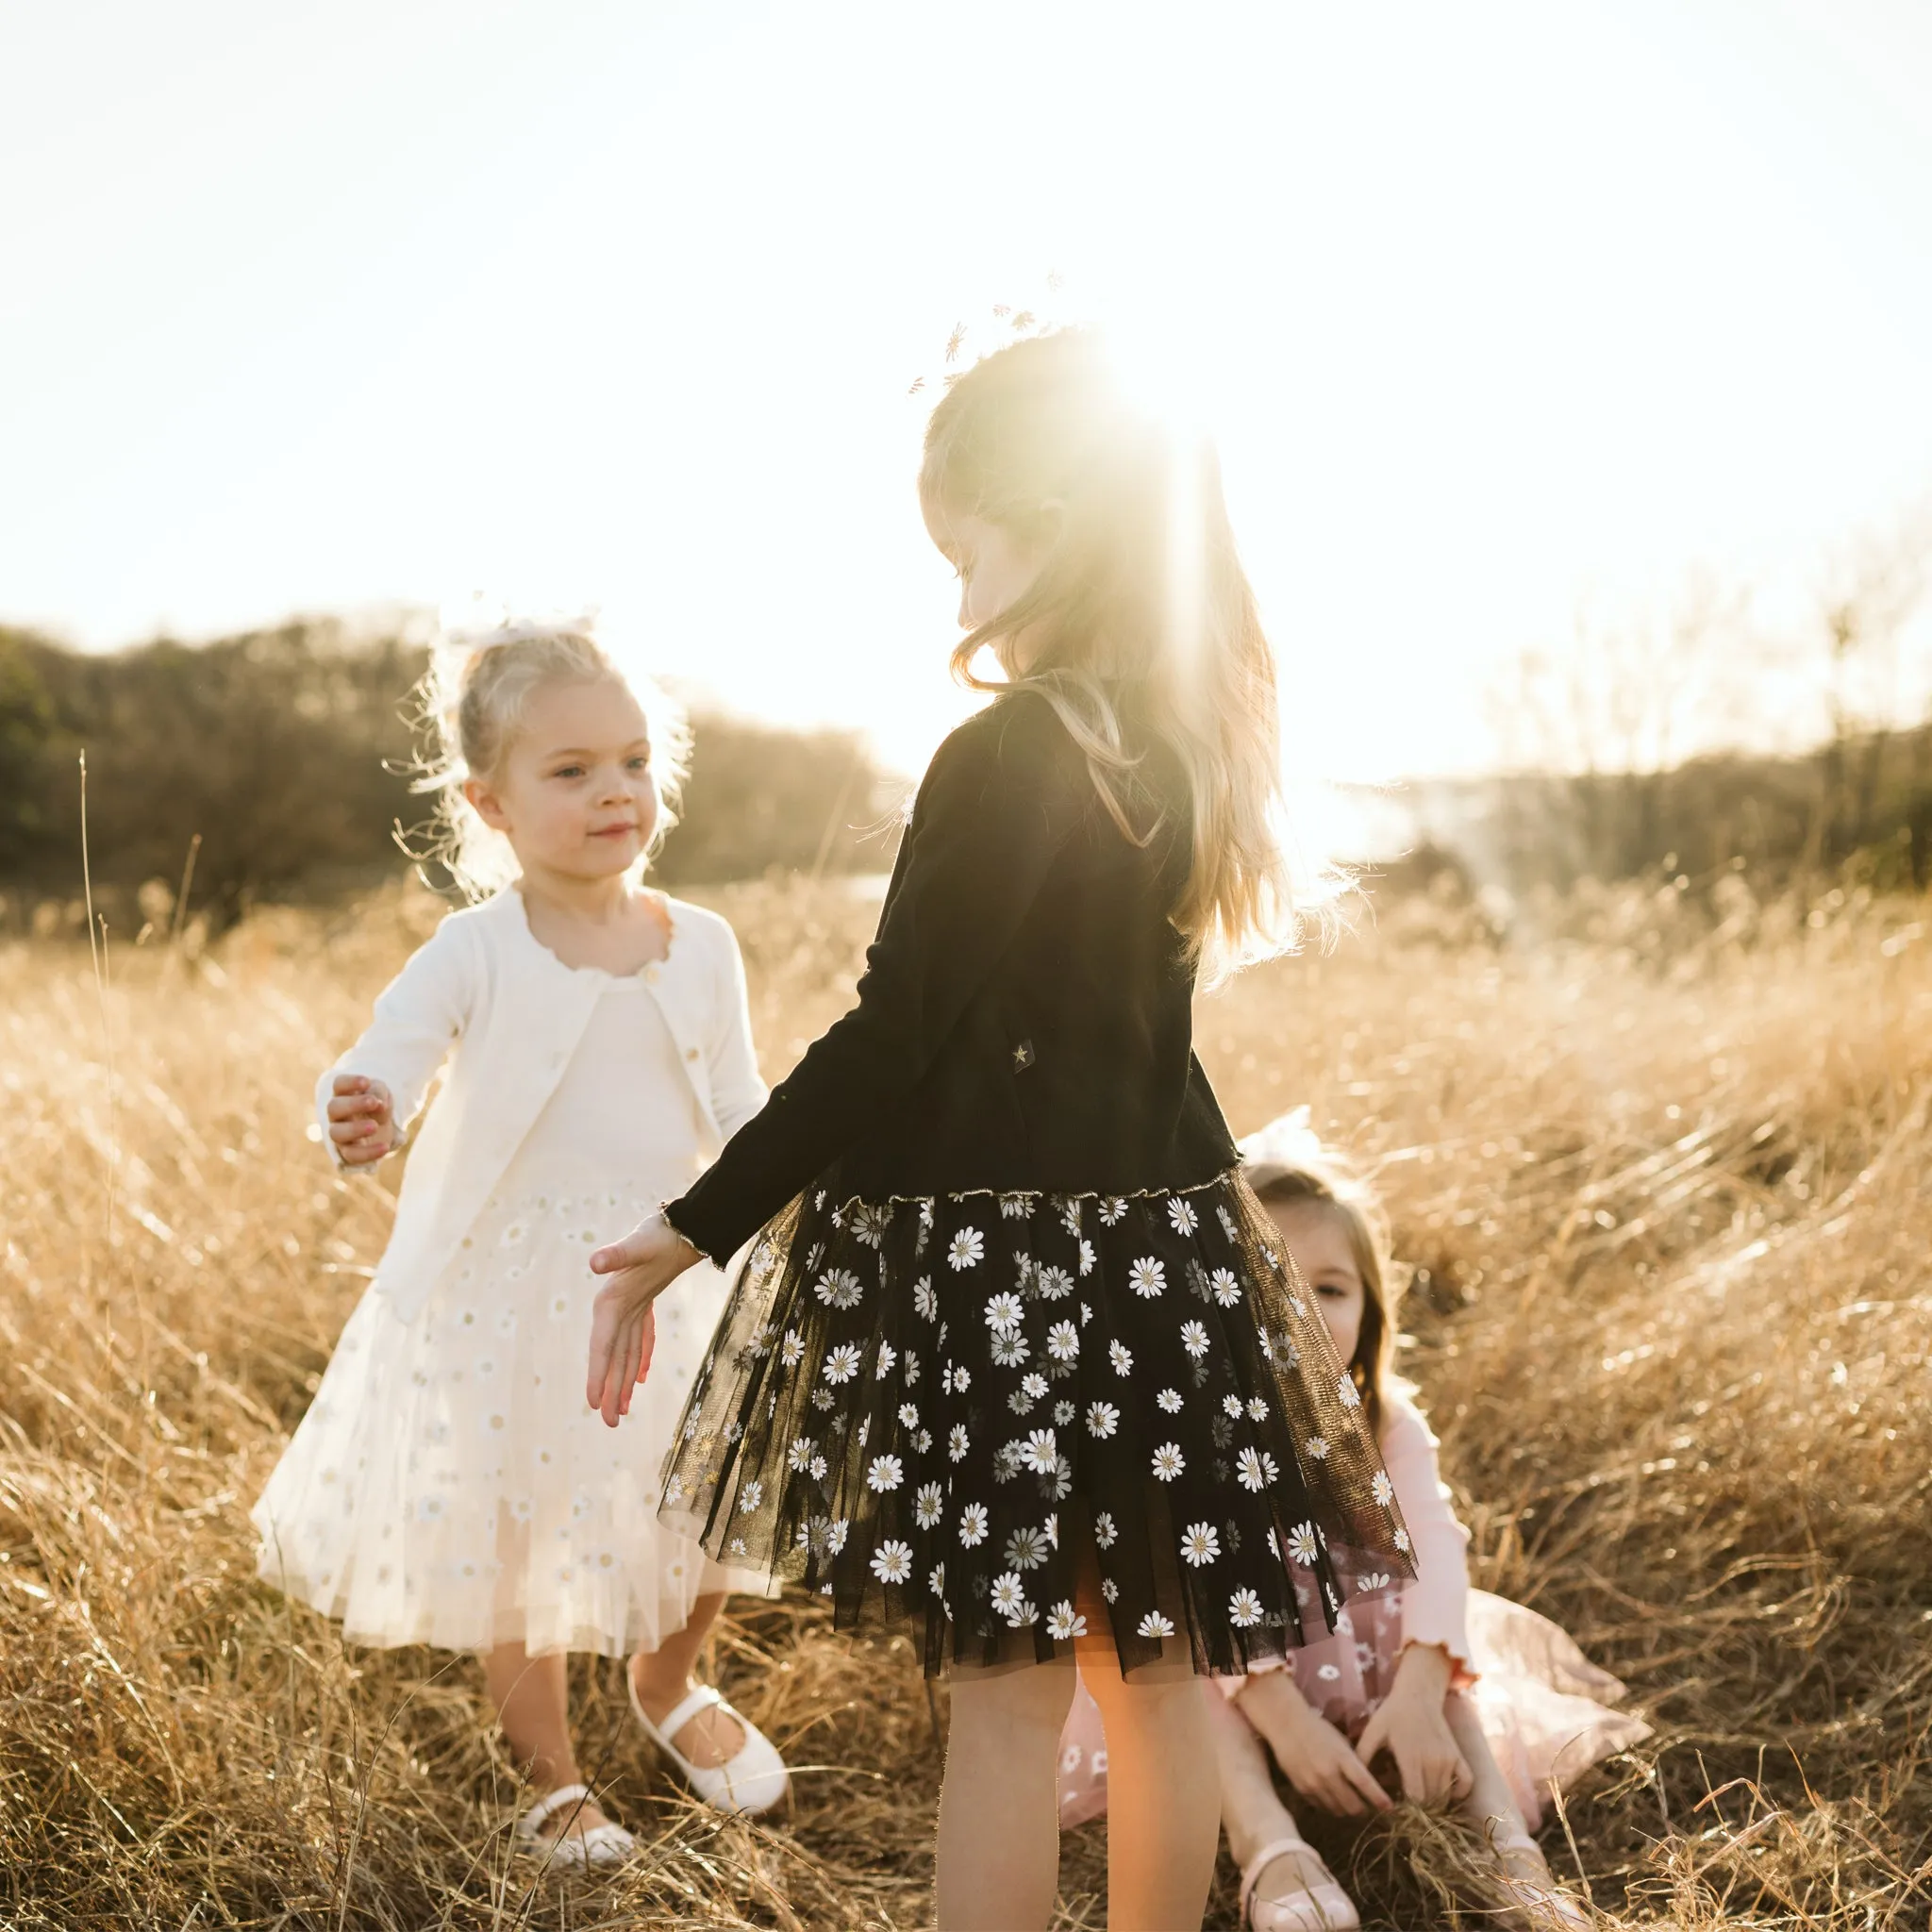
point(280, 759)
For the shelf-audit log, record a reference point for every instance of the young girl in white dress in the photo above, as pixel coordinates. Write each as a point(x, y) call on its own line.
point(449, 1484)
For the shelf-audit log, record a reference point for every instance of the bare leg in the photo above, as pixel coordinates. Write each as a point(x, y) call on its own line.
point(1489, 1792)
point(1163, 1807)
point(532, 1703)
point(1492, 1810)
point(1251, 1811)
point(999, 1841)
point(662, 1679)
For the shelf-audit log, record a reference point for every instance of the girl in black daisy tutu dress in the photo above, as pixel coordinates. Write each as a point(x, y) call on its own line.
point(1015, 1355)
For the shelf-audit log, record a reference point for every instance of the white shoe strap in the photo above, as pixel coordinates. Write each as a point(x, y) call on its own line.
point(551, 1803)
point(1275, 1848)
point(703, 1698)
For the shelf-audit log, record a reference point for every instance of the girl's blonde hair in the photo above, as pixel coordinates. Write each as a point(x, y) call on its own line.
point(467, 707)
point(1141, 595)
point(1287, 1165)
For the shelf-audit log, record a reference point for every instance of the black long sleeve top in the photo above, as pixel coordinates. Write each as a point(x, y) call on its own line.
point(1025, 1019)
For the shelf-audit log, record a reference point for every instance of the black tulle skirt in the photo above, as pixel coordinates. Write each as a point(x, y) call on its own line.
point(939, 1408)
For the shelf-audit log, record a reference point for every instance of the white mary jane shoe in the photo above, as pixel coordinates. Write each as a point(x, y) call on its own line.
point(599, 1847)
point(1543, 1906)
point(1320, 1907)
point(754, 1780)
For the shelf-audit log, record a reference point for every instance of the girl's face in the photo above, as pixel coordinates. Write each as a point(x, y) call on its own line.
point(573, 792)
point(1317, 1237)
point(995, 567)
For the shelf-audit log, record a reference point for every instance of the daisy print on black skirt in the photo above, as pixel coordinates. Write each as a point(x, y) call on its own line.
point(1165, 1405)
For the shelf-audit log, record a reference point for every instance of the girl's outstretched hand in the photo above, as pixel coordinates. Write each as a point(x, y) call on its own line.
point(361, 1120)
point(623, 1331)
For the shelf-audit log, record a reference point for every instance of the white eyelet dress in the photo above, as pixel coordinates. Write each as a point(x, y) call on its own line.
point(449, 1484)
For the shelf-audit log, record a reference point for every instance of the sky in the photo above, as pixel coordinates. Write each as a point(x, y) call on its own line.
point(1504, 313)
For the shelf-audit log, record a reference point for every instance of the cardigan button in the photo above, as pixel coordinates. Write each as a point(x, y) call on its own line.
point(690, 1053)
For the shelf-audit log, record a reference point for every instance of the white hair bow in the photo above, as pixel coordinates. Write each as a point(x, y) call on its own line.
point(1286, 1142)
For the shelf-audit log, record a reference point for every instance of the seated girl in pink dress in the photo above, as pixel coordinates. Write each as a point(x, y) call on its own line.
point(1476, 1702)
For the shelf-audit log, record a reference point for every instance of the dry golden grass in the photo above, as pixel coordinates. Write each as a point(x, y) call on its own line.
point(1666, 1188)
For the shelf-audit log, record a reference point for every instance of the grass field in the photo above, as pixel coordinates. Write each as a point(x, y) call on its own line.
point(1664, 1180)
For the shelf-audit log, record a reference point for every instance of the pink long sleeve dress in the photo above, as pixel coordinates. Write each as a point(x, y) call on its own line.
point(1544, 1708)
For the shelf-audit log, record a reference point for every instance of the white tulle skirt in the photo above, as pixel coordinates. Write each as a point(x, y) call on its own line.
point(449, 1484)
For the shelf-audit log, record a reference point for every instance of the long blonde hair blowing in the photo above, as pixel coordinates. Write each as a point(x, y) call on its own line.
point(1141, 587)
point(467, 708)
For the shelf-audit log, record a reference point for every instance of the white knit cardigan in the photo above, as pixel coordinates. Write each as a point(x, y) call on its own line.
point(486, 997)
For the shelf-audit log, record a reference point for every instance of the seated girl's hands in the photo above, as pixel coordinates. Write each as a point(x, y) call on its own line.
point(361, 1120)
point(1314, 1756)
point(623, 1331)
point(1413, 1729)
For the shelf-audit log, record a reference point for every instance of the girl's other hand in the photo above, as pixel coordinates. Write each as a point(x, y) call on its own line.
point(361, 1120)
point(1314, 1756)
point(1413, 1729)
point(623, 1331)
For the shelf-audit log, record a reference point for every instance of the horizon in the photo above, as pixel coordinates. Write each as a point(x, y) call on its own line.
point(1500, 321)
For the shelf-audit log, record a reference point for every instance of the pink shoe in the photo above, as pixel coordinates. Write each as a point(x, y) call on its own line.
point(1323, 1907)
